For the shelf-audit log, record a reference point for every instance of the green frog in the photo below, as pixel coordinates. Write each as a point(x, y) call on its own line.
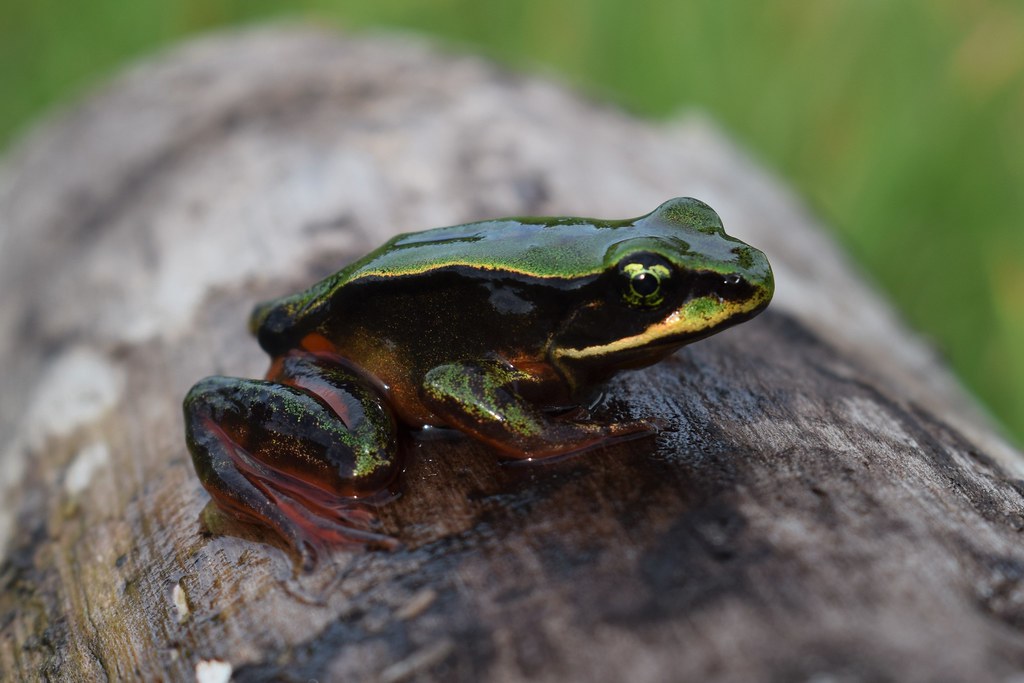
point(496, 329)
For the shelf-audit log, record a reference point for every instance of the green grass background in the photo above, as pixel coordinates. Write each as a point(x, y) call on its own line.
point(901, 121)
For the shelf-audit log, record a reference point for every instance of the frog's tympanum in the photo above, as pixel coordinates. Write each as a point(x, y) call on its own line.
point(496, 329)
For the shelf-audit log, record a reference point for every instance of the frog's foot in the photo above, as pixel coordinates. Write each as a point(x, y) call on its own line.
point(480, 399)
point(251, 498)
point(280, 456)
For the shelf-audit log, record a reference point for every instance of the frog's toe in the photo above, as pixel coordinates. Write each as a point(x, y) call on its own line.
point(636, 429)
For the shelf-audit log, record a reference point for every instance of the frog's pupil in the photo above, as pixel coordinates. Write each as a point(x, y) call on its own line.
point(645, 284)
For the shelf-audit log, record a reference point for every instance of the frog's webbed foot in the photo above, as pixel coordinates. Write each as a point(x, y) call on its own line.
point(293, 458)
point(481, 399)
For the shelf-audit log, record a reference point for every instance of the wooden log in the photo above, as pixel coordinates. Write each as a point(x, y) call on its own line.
point(829, 505)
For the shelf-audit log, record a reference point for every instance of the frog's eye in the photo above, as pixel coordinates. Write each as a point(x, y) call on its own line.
point(645, 278)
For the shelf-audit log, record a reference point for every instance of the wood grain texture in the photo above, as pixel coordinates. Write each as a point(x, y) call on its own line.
point(828, 507)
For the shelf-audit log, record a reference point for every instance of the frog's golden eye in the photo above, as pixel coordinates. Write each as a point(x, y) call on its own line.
point(645, 277)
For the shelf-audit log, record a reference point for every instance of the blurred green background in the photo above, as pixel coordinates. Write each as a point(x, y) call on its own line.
point(901, 122)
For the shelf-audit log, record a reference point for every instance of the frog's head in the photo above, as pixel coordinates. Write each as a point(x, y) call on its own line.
point(669, 278)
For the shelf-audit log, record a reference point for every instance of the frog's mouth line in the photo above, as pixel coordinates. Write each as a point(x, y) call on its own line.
point(694, 320)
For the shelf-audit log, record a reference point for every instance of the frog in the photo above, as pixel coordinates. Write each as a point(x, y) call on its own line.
point(501, 329)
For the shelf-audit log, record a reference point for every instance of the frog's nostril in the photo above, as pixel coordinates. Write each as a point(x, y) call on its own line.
point(728, 286)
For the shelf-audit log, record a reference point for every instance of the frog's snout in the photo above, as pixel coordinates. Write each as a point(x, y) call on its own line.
point(764, 281)
point(754, 283)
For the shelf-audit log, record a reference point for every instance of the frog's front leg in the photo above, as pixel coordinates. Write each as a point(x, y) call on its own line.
point(295, 452)
point(480, 399)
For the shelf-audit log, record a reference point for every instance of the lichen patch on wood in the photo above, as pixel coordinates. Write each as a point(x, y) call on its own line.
point(88, 461)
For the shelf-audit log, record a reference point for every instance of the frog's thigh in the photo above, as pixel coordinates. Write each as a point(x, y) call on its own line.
point(279, 455)
point(480, 399)
point(290, 437)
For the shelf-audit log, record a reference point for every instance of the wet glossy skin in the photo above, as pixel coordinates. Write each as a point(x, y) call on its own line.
point(491, 328)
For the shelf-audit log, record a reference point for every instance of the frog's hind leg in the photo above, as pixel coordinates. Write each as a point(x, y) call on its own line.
point(281, 456)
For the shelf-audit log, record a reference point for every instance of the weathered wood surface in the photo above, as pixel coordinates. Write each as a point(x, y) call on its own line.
point(829, 507)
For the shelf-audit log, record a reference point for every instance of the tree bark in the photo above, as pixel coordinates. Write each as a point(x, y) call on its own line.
point(828, 505)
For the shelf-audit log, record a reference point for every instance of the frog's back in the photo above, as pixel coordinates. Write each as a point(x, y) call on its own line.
point(546, 247)
point(532, 247)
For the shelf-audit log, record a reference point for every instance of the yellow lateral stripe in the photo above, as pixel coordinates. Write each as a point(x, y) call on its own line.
point(672, 325)
point(439, 265)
